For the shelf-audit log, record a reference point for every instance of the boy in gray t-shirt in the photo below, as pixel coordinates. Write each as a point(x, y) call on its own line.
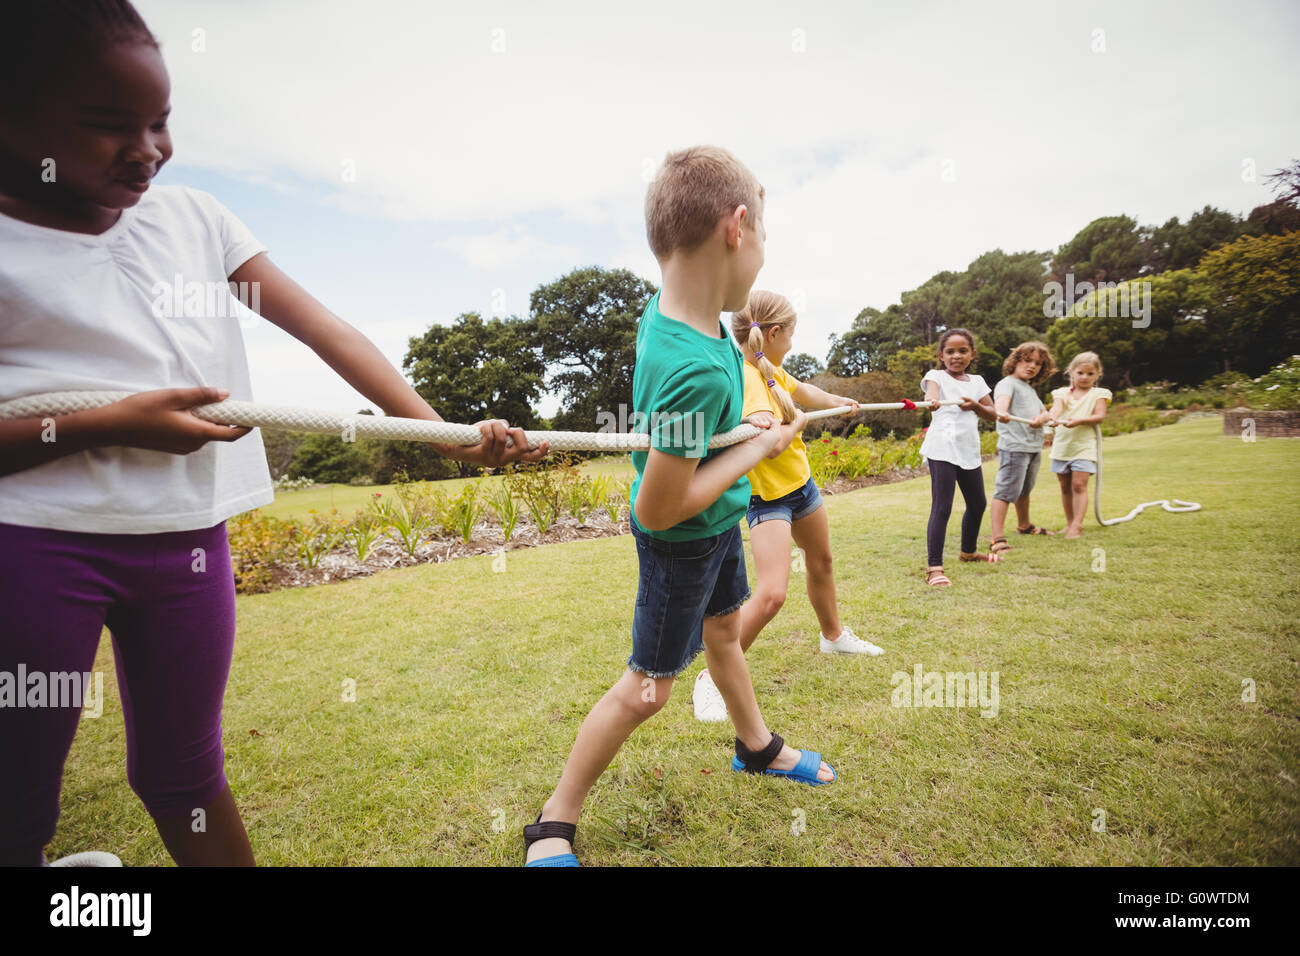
point(1020, 446)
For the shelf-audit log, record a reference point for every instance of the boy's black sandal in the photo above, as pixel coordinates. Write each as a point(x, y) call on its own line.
point(756, 761)
point(545, 831)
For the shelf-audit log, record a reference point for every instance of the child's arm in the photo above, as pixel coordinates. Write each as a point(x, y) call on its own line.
point(1098, 413)
point(158, 421)
point(983, 408)
point(674, 488)
point(1058, 406)
point(932, 394)
point(1003, 406)
point(363, 366)
point(810, 396)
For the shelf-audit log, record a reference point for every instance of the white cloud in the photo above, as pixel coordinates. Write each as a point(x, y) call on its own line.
point(509, 246)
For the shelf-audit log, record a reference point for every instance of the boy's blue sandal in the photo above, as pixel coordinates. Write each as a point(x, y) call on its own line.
point(544, 831)
point(757, 761)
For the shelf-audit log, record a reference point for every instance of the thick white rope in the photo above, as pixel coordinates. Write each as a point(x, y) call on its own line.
point(349, 427)
point(256, 415)
point(1178, 507)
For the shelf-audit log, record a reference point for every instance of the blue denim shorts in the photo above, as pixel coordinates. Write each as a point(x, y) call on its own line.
point(1074, 464)
point(797, 504)
point(681, 583)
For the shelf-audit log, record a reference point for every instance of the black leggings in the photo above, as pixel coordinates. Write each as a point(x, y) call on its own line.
point(944, 475)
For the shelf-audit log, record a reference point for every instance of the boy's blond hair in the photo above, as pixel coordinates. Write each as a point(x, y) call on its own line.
point(692, 190)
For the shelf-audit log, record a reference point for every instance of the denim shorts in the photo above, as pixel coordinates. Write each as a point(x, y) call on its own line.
point(797, 504)
point(681, 583)
point(1017, 472)
point(1074, 464)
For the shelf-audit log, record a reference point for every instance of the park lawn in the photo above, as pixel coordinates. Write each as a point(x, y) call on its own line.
point(349, 499)
point(1120, 693)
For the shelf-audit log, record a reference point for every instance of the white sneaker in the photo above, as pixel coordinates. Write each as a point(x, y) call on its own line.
point(87, 858)
point(709, 705)
point(850, 643)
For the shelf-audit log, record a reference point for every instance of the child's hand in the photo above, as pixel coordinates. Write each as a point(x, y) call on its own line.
point(787, 434)
point(968, 404)
point(161, 421)
point(761, 419)
point(1003, 417)
point(1068, 422)
point(841, 401)
point(766, 439)
point(493, 450)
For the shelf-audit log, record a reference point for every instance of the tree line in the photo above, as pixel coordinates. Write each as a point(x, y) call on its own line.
point(1219, 293)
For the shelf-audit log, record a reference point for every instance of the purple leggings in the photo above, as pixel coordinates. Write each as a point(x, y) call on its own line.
point(171, 611)
point(945, 478)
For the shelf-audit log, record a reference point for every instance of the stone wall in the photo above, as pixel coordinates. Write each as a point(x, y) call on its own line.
point(1268, 424)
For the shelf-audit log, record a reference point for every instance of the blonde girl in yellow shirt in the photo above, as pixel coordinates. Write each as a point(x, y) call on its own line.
point(785, 502)
point(1074, 445)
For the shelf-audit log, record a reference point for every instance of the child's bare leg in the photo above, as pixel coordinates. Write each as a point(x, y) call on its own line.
point(727, 668)
point(770, 542)
point(1067, 500)
point(1079, 492)
point(625, 706)
point(1022, 512)
point(222, 842)
point(998, 517)
point(813, 534)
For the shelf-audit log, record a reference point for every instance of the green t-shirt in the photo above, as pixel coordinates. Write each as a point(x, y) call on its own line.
point(686, 387)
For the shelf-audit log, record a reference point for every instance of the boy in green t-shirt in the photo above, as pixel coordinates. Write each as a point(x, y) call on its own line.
point(704, 221)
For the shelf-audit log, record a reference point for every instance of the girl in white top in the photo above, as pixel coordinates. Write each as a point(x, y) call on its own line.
point(117, 515)
point(952, 450)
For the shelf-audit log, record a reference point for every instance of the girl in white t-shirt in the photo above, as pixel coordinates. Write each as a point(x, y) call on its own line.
point(117, 516)
point(952, 450)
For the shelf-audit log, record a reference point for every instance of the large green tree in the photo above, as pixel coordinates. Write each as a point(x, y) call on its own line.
point(1109, 249)
point(1171, 340)
point(870, 341)
point(1254, 301)
point(584, 328)
point(999, 298)
point(802, 366)
point(1177, 245)
point(475, 369)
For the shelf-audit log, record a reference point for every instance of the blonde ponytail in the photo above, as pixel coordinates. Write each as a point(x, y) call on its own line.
point(763, 311)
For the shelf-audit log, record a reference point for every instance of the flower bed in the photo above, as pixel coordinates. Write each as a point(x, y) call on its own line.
point(419, 523)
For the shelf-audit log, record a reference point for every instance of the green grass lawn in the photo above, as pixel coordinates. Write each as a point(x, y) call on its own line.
point(352, 498)
point(1120, 692)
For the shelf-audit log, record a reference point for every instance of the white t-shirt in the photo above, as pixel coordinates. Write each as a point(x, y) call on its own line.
point(954, 434)
point(136, 308)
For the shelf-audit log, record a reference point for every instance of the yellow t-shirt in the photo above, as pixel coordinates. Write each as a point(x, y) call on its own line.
point(774, 478)
point(1080, 441)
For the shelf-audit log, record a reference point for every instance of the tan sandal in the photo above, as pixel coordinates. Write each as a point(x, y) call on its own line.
point(994, 546)
point(936, 578)
point(991, 558)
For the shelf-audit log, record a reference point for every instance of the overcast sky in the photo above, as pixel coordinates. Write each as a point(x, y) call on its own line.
point(409, 161)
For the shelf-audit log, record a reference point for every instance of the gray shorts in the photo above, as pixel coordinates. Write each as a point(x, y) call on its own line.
point(1017, 471)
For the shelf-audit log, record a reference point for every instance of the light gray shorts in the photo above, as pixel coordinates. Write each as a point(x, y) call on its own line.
point(1017, 472)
